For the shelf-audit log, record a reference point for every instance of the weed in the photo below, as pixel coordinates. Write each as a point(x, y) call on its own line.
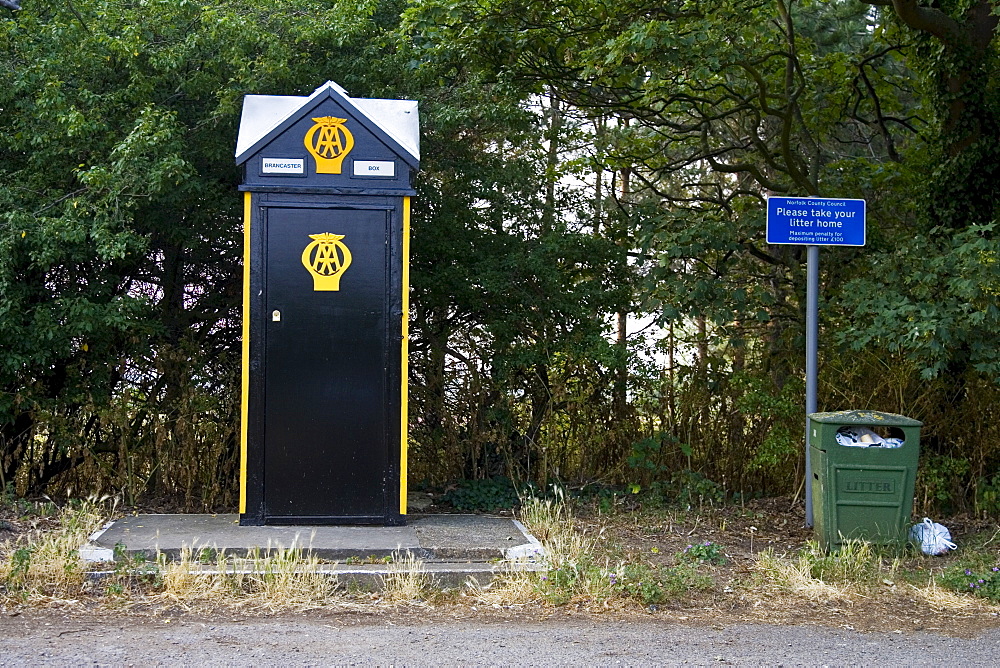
point(978, 571)
point(984, 583)
point(705, 553)
point(685, 488)
point(573, 572)
point(654, 585)
point(941, 479)
point(579, 572)
point(8, 496)
point(20, 563)
point(546, 518)
point(792, 576)
point(988, 495)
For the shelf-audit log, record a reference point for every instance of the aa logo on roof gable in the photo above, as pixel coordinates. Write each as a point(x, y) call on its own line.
point(329, 141)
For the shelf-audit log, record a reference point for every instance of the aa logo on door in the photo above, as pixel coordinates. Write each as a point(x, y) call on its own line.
point(329, 142)
point(326, 258)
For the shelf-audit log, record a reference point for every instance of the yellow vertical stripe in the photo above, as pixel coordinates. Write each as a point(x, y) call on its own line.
point(245, 393)
point(405, 372)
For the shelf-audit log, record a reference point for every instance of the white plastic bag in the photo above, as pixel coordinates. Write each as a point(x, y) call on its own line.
point(863, 437)
point(934, 539)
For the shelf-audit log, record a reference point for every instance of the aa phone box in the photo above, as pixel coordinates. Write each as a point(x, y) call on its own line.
point(326, 183)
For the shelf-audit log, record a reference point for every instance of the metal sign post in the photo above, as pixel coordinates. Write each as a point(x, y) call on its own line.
point(812, 363)
point(814, 222)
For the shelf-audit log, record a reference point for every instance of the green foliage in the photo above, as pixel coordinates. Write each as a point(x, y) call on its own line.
point(657, 585)
point(120, 228)
point(496, 493)
point(649, 455)
point(583, 162)
point(783, 408)
point(983, 581)
point(942, 311)
point(20, 564)
point(688, 488)
point(559, 585)
point(988, 495)
point(646, 584)
point(833, 102)
point(941, 478)
point(705, 553)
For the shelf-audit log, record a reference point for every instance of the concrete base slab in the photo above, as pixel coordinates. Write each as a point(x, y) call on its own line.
point(450, 549)
point(425, 537)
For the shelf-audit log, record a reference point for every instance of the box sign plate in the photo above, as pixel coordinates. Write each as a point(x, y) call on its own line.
point(369, 168)
point(816, 221)
point(278, 166)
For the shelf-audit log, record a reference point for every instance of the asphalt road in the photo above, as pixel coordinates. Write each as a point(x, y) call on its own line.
point(404, 638)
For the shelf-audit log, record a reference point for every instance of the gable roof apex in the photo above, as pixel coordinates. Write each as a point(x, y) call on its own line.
point(266, 116)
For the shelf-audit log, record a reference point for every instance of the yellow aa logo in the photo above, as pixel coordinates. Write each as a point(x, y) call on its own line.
point(326, 258)
point(329, 141)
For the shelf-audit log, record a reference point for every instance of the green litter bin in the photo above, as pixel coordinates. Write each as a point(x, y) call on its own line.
point(862, 481)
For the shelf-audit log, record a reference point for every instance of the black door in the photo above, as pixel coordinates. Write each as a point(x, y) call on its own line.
point(326, 302)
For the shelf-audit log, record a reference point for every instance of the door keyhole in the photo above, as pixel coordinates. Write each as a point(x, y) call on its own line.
point(275, 315)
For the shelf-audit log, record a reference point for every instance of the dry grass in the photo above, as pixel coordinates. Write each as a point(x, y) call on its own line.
point(574, 571)
point(635, 562)
point(950, 602)
point(546, 519)
point(279, 580)
point(551, 522)
point(812, 574)
point(407, 580)
point(510, 588)
point(792, 576)
point(45, 565)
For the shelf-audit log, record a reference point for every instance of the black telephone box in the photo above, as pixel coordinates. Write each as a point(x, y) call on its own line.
point(326, 240)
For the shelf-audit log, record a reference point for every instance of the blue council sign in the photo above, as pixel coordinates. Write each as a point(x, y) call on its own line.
point(816, 221)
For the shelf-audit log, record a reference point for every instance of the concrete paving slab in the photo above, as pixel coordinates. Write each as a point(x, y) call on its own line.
point(447, 538)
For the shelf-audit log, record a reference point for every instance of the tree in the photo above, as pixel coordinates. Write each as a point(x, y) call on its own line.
point(712, 106)
point(510, 288)
point(942, 310)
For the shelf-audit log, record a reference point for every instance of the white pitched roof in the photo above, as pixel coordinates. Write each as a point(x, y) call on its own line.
point(264, 113)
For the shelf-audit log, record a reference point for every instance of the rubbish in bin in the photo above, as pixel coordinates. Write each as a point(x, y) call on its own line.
point(862, 437)
point(934, 538)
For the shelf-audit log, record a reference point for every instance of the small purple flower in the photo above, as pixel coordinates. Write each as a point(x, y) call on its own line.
point(982, 581)
point(972, 584)
point(996, 569)
point(968, 572)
